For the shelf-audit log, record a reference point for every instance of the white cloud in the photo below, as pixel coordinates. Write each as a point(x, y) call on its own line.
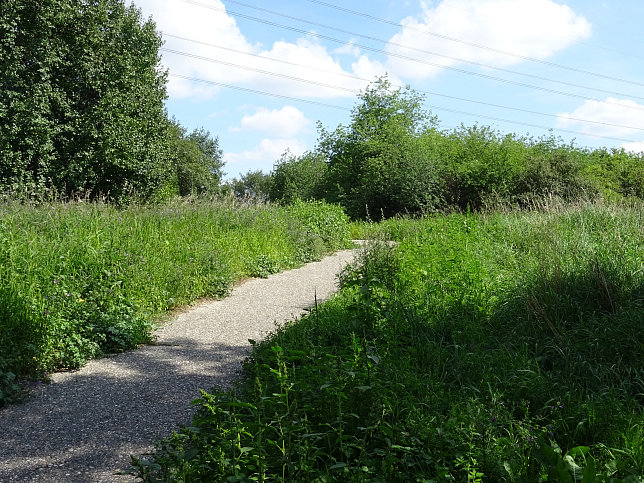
point(609, 111)
point(262, 156)
point(200, 24)
point(366, 68)
point(534, 28)
point(306, 58)
point(348, 49)
point(286, 122)
point(634, 147)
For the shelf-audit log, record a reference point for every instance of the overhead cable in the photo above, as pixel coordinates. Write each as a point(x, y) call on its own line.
point(423, 51)
point(322, 104)
point(423, 61)
point(473, 44)
point(361, 79)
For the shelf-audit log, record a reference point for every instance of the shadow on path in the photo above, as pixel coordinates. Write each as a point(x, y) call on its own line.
point(85, 413)
point(84, 426)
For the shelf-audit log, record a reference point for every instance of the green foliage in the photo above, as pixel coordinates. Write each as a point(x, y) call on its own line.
point(318, 224)
point(254, 185)
point(298, 178)
point(81, 98)
point(481, 348)
point(477, 165)
point(198, 161)
point(378, 165)
point(79, 280)
point(557, 173)
point(392, 160)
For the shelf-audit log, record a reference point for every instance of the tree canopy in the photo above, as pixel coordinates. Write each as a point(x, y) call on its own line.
point(378, 165)
point(81, 99)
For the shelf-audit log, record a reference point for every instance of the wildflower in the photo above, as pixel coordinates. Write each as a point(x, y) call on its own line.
point(80, 299)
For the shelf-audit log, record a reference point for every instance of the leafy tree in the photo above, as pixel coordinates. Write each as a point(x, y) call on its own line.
point(378, 165)
point(81, 99)
point(254, 185)
point(211, 154)
point(198, 161)
point(298, 178)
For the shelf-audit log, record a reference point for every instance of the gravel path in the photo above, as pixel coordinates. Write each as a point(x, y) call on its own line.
point(84, 426)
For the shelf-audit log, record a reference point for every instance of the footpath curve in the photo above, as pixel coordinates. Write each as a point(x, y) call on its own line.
point(84, 425)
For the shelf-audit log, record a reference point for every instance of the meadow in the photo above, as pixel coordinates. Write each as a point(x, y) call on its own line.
point(481, 347)
point(82, 279)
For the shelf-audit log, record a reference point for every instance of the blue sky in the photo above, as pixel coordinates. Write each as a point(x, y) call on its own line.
point(520, 66)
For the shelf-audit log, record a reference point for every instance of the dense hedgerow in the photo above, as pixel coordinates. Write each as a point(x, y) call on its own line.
point(393, 159)
point(78, 280)
point(482, 348)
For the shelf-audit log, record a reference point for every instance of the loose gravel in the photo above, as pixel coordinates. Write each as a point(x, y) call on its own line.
point(84, 426)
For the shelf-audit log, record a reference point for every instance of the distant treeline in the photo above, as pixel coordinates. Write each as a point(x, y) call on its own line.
point(393, 159)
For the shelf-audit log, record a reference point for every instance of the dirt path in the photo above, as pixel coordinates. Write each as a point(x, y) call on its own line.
point(84, 425)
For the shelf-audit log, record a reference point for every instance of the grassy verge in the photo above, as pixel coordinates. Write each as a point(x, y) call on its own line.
point(79, 280)
point(482, 348)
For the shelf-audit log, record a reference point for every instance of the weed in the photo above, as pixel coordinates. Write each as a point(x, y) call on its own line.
point(78, 280)
point(496, 347)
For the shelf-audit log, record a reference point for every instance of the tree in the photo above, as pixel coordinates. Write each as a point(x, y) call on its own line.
point(198, 160)
point(298, 178)
point(81, 99)
point(253, 185)
point(379, 164)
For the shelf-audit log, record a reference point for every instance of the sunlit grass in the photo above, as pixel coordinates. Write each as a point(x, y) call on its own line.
point(496, 347)
point(81, 279)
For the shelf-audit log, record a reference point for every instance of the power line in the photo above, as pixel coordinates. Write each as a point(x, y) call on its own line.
point(483, 116)
point(255, 91)
point(430, 93)
point(322, 104)
point(281, 61)
point(260, 71)
point(422, 61)
point(473, 44)
point(423, 51)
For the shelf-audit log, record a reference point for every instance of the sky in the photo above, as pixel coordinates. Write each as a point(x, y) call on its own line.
point(260, 75)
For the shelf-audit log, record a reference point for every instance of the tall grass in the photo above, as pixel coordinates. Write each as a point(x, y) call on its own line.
point(81, 279)
point(499, 347)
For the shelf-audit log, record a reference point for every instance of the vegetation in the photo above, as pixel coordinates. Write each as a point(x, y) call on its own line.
point(300, 178)
point(81, 85)
point(78, 280)
point(504, 346)
point(254, 185)
point(481, 348)
point(198, 162)
point(393, 160)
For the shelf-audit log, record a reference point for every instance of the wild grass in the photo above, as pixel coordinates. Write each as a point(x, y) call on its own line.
point(498, 347)
point(78, 280)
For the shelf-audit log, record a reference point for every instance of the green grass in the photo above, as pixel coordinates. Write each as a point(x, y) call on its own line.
point(78, 280)
point(498, 347)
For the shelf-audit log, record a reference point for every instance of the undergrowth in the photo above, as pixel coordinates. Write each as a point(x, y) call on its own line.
point(78, 280)
point(481, 348)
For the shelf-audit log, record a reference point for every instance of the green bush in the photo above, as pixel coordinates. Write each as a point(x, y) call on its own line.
point(298, 178)
point(379, 164)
